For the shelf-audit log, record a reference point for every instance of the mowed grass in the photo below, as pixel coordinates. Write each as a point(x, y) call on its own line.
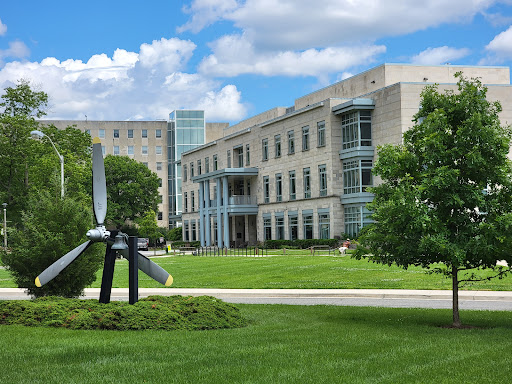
point(282, 344)
point(293, 270)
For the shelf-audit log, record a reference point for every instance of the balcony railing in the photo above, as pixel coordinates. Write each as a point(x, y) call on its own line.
point(237, 200)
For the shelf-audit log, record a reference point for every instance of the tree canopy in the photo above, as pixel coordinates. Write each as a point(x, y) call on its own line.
point(445, 201)
point(132, 189)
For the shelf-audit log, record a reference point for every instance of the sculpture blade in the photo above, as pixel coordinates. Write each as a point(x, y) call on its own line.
point(99, 183)
point(53, 270)
point(154, 271)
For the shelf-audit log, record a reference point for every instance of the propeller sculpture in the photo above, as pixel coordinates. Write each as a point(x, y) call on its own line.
point(101, 234)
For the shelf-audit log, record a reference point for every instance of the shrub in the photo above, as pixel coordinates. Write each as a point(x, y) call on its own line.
point(154, 312)
point(52, 227)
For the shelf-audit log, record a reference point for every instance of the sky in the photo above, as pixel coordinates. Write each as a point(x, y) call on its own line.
point(139, 60)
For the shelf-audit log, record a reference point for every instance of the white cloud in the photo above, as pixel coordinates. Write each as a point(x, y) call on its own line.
point(234, 55)
point(500, 48)
point(127, 85)
point(439, 55)
point(3, 28)
point(16, 50)
point(205, 13)
point(302, 24)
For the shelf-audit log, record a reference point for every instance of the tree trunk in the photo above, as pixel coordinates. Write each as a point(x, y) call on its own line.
point(455, 292)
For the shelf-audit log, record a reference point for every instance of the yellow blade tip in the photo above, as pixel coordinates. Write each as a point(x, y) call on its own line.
point(38, 283)
point(96, 140)
point(169, 281)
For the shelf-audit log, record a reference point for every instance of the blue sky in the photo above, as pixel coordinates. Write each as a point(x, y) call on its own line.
point(134, 60)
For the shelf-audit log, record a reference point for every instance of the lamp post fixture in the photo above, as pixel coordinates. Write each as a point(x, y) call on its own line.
point(39, 135)
point(5, 225)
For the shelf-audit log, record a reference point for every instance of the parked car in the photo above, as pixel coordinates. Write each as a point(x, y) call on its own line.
point(143, 243)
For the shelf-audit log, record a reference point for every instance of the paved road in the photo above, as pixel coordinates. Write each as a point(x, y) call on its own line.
point(396, 298)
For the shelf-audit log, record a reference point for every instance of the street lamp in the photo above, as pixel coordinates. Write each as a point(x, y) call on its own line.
point(39, 135)
point(5, 225)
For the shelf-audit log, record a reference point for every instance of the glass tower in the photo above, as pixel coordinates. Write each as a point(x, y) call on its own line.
point(185, 131)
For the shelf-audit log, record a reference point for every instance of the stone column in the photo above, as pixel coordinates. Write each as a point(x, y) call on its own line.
point(219, 215)
point(225, 197)
point(207, 226)
point(201, 213)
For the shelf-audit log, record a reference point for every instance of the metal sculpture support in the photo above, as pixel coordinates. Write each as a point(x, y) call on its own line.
point(116, 242)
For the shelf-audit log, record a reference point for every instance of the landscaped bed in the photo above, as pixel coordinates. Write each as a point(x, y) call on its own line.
point(154, 312)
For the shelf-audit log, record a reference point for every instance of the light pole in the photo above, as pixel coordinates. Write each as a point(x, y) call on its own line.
point(39, 135)
point(5, 225)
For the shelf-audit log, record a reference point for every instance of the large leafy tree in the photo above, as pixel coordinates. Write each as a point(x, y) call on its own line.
point(19, 108)
point(132, 189)
point(445, 201)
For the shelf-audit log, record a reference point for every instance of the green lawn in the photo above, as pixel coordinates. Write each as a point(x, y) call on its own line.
point(283, 344)
point(290, 271)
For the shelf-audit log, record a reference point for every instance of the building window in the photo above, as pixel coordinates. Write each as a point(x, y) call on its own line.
point(88, 131)
point(160, 199)
point(229, 158)
point(307, 223)
point(158, 149)
point(267, 228)
point(192, 201)
point(130, 149)
point(322, 173)
point(323, 225)
point(145, 164)
point(206, 164)
point(158, 166)
point(116, 133)
point(293, 227)
point(116, 149)
point(356, 129)
point(321, 134)
point(277, 141)
point(191, 169)
point(144, 133)
point(215, 163)
point(240, 156)
point(186, 235)
point(305, 138)
point(130, 133)
point(293, 185)
point(158, 133)
point(357, 176)
point(264, 149)
point(279, 187)
point(306, 175)
point(291, 142)
point(194, 234)
point(247, 156)
point(355, 218)
point(199, 168)
point(102, 134)
point(185, 202)
point(160, 215)
point(184, 172)
point(280, 228)
point(266, 189)
point(144, 149)
point(159, 180)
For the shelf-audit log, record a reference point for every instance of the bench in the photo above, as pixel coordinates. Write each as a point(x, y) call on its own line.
point(319, 248)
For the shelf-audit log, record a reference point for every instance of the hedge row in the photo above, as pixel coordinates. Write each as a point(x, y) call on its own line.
point(300, 244)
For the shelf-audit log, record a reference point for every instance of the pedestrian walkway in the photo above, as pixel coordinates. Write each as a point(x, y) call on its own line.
point(122, 293)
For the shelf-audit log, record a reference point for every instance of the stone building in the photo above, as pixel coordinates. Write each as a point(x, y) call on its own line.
point(302, 172)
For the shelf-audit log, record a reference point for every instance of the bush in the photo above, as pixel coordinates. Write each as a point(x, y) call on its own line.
point(177, 244)
point(175, 234)
point(154, 312)
point(52, 227)
point(300, 244)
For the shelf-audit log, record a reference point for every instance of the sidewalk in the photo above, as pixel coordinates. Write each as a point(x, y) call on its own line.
point(122, 293)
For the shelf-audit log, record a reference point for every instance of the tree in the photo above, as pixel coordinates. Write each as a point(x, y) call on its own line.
point(445, 200)
point(175, 234)
point(148, 227)
point(19, 107)
point(52, 227)
point(132, 189)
